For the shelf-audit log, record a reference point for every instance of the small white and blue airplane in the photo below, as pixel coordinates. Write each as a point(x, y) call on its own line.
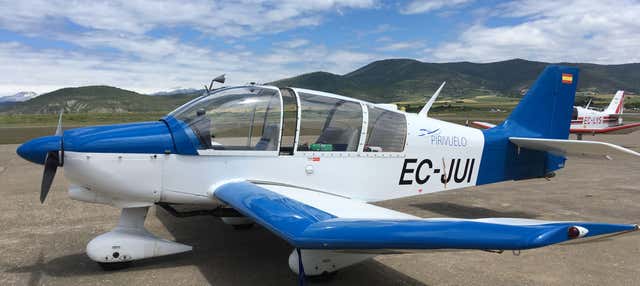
point(306, 164)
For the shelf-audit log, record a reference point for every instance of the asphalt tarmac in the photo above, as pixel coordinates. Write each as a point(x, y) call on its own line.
point(44, 244)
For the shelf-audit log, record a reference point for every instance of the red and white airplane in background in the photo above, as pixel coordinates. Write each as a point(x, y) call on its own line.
point(589, 121)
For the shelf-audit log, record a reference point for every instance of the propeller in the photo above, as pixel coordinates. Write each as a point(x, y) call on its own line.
point(53, 160)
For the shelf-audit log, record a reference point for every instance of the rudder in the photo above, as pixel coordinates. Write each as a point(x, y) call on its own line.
point(617, 103)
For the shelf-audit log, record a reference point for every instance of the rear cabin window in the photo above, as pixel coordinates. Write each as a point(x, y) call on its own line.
point(386, 130)
point(329, 124)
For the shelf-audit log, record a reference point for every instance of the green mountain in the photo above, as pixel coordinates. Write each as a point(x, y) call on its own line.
point(405, 79)
point(98, 99)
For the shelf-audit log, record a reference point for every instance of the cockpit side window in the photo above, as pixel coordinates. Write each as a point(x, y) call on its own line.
point(329, 124)
point(386, 130)
point(236, 119)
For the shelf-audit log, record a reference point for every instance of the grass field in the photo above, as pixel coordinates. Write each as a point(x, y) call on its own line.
point(22, 127)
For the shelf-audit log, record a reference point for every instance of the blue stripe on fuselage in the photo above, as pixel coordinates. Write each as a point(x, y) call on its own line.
point(142, 137)
point(168, 135)
point(186, 142)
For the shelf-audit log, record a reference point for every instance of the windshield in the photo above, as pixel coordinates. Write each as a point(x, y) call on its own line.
point(244, 118)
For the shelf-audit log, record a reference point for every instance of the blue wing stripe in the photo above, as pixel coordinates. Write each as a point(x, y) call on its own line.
point(283, 216)
point(304, 226)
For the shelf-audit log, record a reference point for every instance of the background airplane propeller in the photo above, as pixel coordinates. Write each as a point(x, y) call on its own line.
point(51, 163)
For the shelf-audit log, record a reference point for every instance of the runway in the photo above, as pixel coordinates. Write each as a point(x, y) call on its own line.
point(44, 244)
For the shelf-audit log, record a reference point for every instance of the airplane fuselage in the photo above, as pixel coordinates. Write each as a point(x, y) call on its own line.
point(437, 156)
point(589, 121)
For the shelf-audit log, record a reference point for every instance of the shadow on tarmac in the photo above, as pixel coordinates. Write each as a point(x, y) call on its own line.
point(256, 256)
point(223, 255)
point(470, 212)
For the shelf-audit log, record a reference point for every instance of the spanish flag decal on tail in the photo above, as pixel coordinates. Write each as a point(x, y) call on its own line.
point(567, 78)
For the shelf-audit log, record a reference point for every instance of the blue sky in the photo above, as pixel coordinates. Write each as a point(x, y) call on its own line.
point(164, 45)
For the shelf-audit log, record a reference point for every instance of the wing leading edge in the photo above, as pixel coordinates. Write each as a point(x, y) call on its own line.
point(304, 223)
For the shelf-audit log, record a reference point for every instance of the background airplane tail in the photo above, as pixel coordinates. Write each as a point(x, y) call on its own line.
point(617, 103)
point(544, 112)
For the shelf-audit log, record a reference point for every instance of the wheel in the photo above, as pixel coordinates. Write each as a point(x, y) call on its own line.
point(113, 266)
point(242, 226)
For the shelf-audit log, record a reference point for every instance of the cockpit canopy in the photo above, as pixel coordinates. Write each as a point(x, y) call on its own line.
point(245, 118)
point(259, 118)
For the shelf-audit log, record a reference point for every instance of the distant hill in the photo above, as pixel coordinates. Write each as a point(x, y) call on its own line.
point(390, 80)
point(178, 92)
point(406, 79)
point(18, 97)
point(98, 99)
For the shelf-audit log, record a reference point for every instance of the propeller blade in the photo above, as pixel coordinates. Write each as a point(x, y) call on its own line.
point(59, 128)
point(50, 167)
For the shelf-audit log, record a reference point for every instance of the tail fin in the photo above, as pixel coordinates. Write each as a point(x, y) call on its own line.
point(617, 103)
point(545, 111)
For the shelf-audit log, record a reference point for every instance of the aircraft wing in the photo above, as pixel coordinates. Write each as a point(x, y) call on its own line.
point(574, 147)
point(482, 125)
point(310, 219)
point(620, 129)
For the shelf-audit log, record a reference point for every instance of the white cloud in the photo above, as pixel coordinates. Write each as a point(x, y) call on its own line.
point(576, 31)
point(293, 43)
point(163, 66)
point(222, 18)
point(399, 46)
point(112, 44)
point(314, 58)
point(424, 6)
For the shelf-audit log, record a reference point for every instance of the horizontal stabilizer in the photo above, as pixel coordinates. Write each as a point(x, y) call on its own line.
point(574, 147)
point(481, 124)
point(310, 219)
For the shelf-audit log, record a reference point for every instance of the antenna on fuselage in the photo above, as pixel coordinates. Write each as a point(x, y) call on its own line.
point(425, 110)
point(221, 79)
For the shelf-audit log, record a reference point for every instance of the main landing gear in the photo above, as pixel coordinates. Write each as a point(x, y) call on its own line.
point(320, 265)
point(228, 215)
point(130, 241)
